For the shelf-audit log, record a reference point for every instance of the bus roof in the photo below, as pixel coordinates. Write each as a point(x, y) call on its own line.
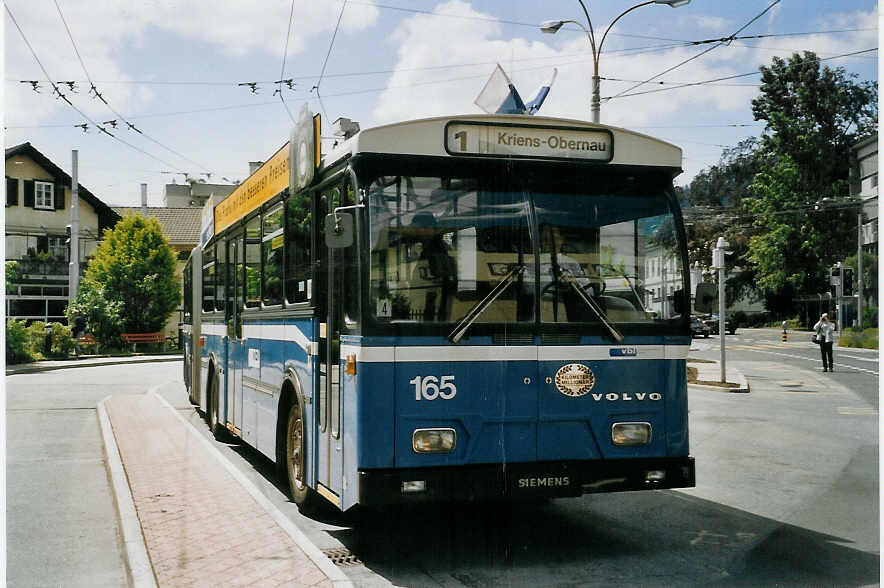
point(519, 136)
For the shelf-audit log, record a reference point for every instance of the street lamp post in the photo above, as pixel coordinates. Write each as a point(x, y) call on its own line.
point(552, 27)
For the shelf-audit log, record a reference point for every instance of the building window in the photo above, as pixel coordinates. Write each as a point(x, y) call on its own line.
point(43, 196)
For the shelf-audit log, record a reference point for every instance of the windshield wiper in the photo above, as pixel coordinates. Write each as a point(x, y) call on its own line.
point(631, 287)
point(461, 328)
point(569, 279)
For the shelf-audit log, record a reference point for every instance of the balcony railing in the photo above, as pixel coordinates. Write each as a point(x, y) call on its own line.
point(39, 267)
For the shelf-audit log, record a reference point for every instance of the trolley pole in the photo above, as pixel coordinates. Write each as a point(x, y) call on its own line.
point(718, 253)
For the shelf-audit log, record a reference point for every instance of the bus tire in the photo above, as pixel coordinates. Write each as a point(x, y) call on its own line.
point(219, 432)
point(301, 493)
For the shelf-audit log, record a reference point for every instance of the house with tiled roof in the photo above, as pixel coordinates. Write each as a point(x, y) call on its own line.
point(38, 198)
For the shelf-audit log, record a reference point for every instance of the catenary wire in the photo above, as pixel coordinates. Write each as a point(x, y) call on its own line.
point(98, 95)
point(71, 104)
point(325, 61)
point(704, 52)
point(282, 70)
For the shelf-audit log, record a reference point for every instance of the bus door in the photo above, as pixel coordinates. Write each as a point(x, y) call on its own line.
point(332, 298)
point(236, 353)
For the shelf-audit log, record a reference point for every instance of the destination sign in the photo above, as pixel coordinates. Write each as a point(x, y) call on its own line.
point(544, 142)
point(269, 180)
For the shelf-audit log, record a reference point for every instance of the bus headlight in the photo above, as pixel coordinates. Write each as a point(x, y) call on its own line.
point(433, 440)
point(631, 433)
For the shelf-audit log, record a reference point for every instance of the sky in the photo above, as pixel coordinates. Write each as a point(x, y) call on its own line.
point(183, 72)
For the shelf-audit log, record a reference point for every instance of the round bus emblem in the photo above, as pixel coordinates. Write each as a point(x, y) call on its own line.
point(574, 379)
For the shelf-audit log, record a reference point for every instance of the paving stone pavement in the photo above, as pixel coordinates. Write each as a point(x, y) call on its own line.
point(200, 526)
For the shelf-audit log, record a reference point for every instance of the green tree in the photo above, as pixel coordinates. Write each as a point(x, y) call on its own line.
point(12, 275)
point(801, 221)
point(713, 208)
point(135, 267)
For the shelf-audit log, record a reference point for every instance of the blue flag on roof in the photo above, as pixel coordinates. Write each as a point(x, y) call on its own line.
point(499, 96)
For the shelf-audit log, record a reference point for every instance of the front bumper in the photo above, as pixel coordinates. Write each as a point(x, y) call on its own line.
point(524, 480)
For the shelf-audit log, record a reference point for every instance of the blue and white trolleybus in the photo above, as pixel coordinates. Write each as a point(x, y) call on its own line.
point(463, 307)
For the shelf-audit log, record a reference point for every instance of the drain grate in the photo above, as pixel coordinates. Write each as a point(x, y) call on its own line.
point(341, 557)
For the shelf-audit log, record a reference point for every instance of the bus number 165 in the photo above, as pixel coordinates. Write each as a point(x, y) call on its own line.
point(431, 387)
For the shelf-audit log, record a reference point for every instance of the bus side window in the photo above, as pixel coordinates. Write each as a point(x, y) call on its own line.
point(220, 277)
point(271, 256)
point(298, 272)
point(209, 278)
point(350, 259)
point(253, 262)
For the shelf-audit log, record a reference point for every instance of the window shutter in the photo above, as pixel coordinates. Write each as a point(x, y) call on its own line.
point(58, 197)
point(29, 193)
point(11, 191)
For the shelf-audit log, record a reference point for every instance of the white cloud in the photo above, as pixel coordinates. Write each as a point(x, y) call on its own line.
point(427, 43)
point(103, 29)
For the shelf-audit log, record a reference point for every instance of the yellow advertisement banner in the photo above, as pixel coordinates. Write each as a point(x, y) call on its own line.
point(269, 180)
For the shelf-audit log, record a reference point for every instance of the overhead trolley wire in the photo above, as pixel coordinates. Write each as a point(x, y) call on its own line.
point(700, 54)
point(61, 96)
point(94, 90)
point(325, 62)
point(285, 53)
point(742, 75)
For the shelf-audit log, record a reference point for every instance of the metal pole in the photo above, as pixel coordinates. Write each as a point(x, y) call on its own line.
point(74, 263)
point(859, 270)
point(721, 318)
point(596, 96)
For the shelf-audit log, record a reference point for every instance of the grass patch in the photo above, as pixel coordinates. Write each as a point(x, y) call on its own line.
point(865, 339)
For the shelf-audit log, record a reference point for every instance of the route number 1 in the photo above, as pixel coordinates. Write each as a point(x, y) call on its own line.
point(431, 387)
point(462, 137)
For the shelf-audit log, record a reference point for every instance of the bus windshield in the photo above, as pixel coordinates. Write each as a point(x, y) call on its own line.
point(558, 251)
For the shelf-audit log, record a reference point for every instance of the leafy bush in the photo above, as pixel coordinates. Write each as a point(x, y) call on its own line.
point(870, 315)
point(37, 339)
point(62, 340)
point(18, 345)
point(103, 317)
point(867, 338)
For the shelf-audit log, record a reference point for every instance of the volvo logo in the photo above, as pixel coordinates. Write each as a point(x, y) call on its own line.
point(574, 379)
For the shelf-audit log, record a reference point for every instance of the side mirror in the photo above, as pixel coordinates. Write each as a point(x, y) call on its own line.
point(339, 230)
point(706, 299)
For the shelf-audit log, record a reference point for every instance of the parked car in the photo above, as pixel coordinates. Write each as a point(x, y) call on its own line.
point(698, 329)
point(711, 321)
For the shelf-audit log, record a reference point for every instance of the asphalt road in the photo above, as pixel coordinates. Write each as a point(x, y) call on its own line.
point(787, 492)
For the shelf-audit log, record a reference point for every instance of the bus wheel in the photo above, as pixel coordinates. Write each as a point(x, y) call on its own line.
point(302, 494)
point(215, 425)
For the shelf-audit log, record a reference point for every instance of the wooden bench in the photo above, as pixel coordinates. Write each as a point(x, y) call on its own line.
point(135, 338)
point(87, 340)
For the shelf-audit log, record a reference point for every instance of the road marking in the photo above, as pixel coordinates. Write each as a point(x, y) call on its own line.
point(710, 538)
point(857, 411)
point(840, 365)
point(857, 358)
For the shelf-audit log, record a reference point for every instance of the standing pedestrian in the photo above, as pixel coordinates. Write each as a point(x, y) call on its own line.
point(824, 329)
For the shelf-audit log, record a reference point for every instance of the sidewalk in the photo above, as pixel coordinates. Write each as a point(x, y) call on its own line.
point(200, 525)
point(89, 361)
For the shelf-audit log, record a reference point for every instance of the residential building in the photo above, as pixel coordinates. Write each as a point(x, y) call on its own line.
point(38, 214)
point(194, 193)
point(864, 184)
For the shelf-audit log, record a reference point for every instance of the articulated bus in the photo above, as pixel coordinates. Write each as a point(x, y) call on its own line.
point(471, 307)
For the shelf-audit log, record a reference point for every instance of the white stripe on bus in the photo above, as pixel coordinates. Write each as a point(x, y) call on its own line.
point(514, 353)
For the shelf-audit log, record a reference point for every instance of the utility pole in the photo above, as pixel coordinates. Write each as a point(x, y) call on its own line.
point(718, 253)
point(74, 264)
point(859, 269)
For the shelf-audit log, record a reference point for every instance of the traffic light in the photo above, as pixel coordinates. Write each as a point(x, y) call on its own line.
point(847, 287)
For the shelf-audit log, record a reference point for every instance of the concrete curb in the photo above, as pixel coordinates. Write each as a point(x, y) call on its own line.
point(37, 368)
point(338, 578)
point(138, 565)
point(709, 372)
